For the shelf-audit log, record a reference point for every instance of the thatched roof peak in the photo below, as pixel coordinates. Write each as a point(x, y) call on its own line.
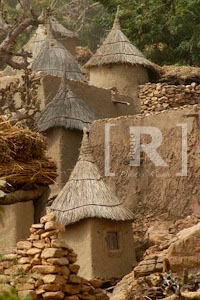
point(86, 195)
point(55, 60)
point(66, 110)
point(116, 23)
point(59, 30)
point(38, 39)
point(117, 49)
point(86, 151)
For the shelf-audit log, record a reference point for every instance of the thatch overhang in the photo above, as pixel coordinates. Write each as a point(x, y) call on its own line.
point(117, 49)
point(86, 195)
point(66, 110)
point(53, 59)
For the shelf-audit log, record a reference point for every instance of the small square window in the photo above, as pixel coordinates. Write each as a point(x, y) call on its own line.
point(112, 241)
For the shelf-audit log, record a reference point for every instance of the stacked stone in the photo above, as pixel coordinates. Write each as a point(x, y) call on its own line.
point(46, 267)
point(151, 264)
point(161, 96)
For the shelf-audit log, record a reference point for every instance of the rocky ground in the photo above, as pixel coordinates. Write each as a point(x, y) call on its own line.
point(169, 263)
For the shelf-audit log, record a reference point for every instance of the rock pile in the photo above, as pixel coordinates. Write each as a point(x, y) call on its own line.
point(161, 96)
point(44, 267)
point(164, 285)
point(168, 268)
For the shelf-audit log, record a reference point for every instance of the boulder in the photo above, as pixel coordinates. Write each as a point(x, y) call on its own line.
point(71, 289)
point(24, 245)
point(53, 295)
point(53, 279)
point(184, 252)
point(47, 218)
point(62, 261)
point(52, 225)
point(46, 269)
point(51, 252)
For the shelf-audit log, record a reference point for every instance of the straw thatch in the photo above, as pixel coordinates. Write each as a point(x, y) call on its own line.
point(179, 74)
point(38, 39)
point(86, 195)
point(117, 49)
point(66, 110)
point(23, 156)
point(55, 60)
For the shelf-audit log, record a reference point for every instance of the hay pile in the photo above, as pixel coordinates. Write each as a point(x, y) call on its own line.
point(23, 156)
point(83, 54)
point(179, 74)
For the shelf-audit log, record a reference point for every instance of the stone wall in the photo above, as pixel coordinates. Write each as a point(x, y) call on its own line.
point(146, 189)
point(161, 96)
point(44, 267)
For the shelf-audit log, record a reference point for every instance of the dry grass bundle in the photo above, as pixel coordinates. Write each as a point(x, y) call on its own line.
point(83, 54)
point(36, 171)
point(180, 74)
point(23, 156)
point(19, 144)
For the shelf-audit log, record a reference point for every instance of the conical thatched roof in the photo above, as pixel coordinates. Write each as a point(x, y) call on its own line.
point(117, 49)
point(55, 60)
point(86, 195)
point(66, 110)
point(39, 38)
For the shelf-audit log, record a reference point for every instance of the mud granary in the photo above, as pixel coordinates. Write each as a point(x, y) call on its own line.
point(93, 216)
point(118, 63)
point(53, 62)
point(69, 104)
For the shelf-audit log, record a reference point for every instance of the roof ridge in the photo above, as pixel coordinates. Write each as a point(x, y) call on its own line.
point(116, 23)
point(86, 151)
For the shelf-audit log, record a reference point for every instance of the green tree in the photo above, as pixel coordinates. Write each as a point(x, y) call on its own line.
point(81, 16)
point(167, 31)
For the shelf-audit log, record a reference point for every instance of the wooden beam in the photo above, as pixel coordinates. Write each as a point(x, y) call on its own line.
point(21, 196)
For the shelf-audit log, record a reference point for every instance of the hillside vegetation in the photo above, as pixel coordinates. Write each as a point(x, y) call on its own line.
point(167, 31)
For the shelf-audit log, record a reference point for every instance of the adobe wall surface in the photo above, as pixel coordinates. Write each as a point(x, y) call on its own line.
point(97, 98)
point(147, 189)
point(16, 220)
point(70, 145)
point(116, 263)
point(78, 236)
point(124, 77)
point(63, 148)
point(87, 238)
point(69, 44)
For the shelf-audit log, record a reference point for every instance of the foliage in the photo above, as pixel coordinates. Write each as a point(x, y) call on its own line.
point(12, 295)
point(81, 16)
point(166, 30)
